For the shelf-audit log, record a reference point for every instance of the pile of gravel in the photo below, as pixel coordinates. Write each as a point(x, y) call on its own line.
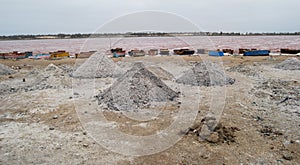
point(138, 88)
point(205, 74)
point(97, 66)
point(51, 68)
point(161, 73)
point(289, 64)
point(280, 94)
point(5, 70)
point(52, 77)
point(245, 70)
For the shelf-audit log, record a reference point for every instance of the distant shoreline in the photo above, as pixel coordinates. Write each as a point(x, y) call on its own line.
point(115, 35)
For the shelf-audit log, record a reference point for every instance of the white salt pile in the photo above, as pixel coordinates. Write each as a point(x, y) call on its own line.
point(205, 74)
point(137, 88)
point(289, 64)
point(98, 66)
point(52, 77)
point(5, 70)
point(161, 73)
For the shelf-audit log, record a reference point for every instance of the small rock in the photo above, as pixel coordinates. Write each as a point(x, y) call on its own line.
point(75, 93)
point(287, 156)
point(204, 133)
point(84, 133)
point(51, 128)
point(205, 155)
point(85, 145)
point(213, 138)
point(55, 117)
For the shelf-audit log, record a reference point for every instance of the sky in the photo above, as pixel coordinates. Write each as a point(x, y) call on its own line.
point(86, 16)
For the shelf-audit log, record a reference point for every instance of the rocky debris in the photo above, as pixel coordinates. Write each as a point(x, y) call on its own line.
point(287, 156)
point(5, 70)
point(52, 67)
point(278, 102)
point(205, 74)
point(137, 88)
point(289, 64)
point(67, 68)
point(219, 134)
point(161, 73)
point(269, 131)
point(97, 66)
point(52, 77)
point(245, 70)
point(213, 138)
point(279, 93)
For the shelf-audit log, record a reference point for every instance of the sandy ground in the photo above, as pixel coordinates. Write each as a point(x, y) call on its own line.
point(49, 125)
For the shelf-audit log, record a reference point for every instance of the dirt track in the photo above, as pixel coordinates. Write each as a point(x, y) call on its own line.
point(258, 124)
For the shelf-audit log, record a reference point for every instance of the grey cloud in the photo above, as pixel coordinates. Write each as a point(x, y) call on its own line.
point(71, 16)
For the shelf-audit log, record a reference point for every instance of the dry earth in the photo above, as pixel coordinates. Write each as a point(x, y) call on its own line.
point(47, 124)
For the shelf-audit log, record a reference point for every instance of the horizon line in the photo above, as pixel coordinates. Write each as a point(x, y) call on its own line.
point(127, 33)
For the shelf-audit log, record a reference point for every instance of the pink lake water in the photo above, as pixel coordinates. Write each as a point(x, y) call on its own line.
point(273, 43)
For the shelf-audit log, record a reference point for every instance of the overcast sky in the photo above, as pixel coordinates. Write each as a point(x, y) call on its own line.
point(85, 16)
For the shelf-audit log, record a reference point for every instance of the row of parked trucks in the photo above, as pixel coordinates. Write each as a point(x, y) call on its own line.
point(21, 55)
point(120, 52)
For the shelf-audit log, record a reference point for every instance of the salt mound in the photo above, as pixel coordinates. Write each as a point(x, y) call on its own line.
point(98, 66)
point(52, 77)
point(161, 73)
point(289, 64)
point(52, 67)
point(205, 74)
point(5, 70)
point(245, 70)
point(137, 88)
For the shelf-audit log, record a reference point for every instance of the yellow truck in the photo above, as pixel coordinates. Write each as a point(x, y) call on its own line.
point(59, 54)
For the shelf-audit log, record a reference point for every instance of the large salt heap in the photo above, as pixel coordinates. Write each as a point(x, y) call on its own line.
point(205, 74)
point(52, 77)
point(5, 70)
point(98, 66)
point(289, 64)
point(137, 88)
